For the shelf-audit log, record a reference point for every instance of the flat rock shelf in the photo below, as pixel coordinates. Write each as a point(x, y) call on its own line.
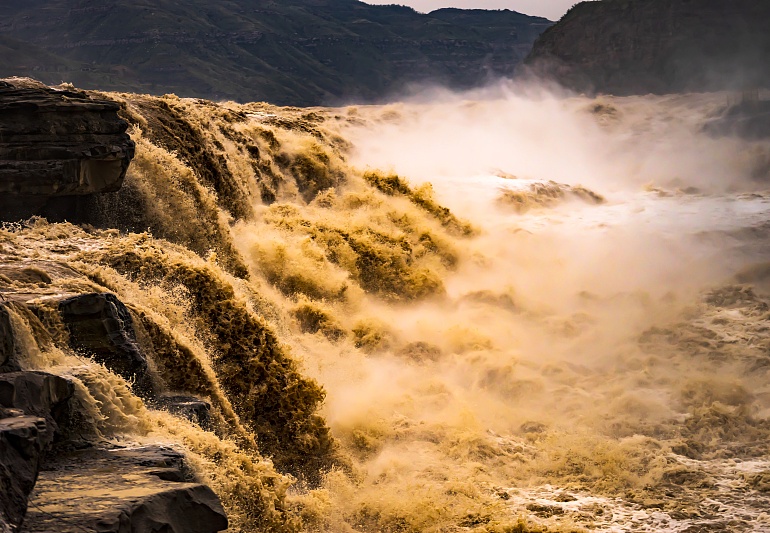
point(122, 490)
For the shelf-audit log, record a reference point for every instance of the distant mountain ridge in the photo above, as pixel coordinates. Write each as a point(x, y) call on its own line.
point(299, 52)
point(658, 46)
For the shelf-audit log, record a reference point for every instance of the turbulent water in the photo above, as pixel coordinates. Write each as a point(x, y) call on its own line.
point(502, 311)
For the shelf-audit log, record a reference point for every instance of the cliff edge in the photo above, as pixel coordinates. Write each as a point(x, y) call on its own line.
point(57, 145)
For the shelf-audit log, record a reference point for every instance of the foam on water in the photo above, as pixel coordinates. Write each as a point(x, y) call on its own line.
point(728, 504)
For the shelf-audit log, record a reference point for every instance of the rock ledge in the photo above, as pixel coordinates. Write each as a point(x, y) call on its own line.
point(57, 144)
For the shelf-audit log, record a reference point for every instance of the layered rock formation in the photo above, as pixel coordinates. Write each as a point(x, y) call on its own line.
point(21, 447)
point(33, 405)
point(657, 46)
point(38, 394)
point(56, 146)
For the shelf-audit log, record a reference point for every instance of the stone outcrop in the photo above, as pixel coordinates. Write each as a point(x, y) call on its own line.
point(657, 46)
point(37, 394)
point(7, 343)
point(81, 485)
point(101, 327)
point(193, 409)
point(80, 491)
point(55, 146)
point(22, 443)
point(32, 405)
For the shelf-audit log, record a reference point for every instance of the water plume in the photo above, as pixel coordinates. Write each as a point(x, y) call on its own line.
point(538, 341)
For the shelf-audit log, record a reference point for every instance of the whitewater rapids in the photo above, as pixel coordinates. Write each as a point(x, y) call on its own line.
point(504, 311)
point(604, 331)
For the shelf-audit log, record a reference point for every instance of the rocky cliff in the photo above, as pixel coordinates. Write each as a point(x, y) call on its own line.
point(657, 46)
point(55, 146)
point(300, 52)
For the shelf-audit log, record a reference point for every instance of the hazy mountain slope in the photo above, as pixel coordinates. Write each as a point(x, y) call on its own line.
point(297, 52)
point(658, 46)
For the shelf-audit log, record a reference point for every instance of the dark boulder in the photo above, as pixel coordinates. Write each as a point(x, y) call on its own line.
point(7, 343)
point(38, 394)
point(193, 409)
point(22, 442)
point(101, 327)
point(56, 146)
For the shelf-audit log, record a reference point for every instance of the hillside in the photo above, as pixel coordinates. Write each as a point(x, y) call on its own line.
point(657, 46)
point(300, 52)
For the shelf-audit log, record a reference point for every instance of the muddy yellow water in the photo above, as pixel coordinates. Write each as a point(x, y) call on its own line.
point(495, 312)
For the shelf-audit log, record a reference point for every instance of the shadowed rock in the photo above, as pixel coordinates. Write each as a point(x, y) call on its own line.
point(32, 405)
point(7, 343)
point(56, 145)
point(37, 394)
point(22, 442)
point(189, 407)
point(100, 326)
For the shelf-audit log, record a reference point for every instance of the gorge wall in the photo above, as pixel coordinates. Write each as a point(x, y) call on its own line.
point(637, 47)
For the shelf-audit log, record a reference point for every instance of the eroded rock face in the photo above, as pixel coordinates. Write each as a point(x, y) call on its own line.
point(56, 145)
point(37, 394)
point(7, 343)
point(22, 443)
point(100, 326)
point(32, 405)
point(657, 46)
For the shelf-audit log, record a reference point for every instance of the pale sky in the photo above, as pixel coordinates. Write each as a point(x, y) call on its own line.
point(551, 9)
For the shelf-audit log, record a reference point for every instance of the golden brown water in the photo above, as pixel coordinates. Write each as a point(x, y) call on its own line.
point(579, 343)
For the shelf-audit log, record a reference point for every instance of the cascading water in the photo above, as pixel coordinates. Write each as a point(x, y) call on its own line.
point(579, 343)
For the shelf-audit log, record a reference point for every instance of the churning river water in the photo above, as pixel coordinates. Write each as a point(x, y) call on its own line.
point(580, 342)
